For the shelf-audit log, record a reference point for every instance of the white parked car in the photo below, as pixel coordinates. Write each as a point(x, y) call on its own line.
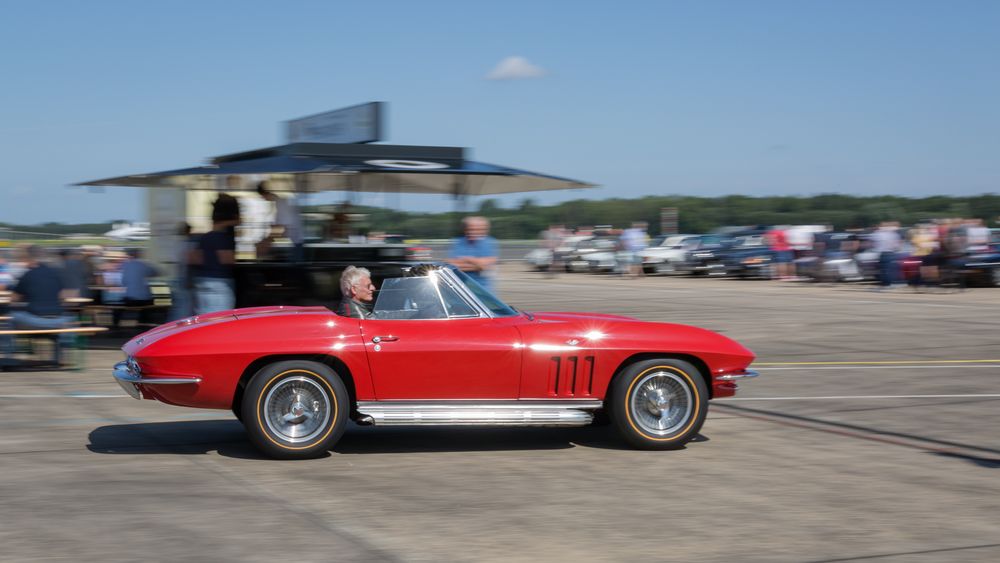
point(541, 258)
point(595, 254)
point(664, 255)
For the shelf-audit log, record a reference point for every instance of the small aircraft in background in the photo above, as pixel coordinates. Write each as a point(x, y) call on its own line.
point(129, 231)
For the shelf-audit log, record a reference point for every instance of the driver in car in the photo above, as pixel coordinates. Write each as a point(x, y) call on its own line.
point(358, 293)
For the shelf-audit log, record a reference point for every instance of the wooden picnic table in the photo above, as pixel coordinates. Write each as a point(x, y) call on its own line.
point(80, 332)
point(42, 331)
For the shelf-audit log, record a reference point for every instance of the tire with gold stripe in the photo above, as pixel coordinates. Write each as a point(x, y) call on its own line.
point(659, 404)
point(295, 409)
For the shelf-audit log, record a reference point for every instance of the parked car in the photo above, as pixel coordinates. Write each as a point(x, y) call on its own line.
point(982, 268)
point(703, 257)
point(834, 259)
point(542, 259)
point(604, 261)
point(438, 350)
point(666, 253)
point(747, 256)
point(576, 259)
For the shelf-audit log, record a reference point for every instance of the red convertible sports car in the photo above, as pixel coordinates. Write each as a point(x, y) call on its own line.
point(438, 350)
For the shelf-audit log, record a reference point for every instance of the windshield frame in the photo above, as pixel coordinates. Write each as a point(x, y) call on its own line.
point(463, 283)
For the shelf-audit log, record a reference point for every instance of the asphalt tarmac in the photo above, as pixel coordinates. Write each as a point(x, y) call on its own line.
point(872, 434)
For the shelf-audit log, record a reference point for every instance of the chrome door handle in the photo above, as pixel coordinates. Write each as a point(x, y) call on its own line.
point(389, 338)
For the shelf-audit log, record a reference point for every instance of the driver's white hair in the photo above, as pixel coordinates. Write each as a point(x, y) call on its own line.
point(351, 276)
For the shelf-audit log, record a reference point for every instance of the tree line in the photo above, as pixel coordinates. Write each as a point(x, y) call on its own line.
point(694, 214)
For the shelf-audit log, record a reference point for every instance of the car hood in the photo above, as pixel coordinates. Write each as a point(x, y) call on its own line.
point(569, 317)
point(197, 321)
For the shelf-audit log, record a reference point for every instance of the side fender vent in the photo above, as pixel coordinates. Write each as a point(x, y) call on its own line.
point(571, 376)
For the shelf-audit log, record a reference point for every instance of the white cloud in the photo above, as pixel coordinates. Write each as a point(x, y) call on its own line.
point(515, 68)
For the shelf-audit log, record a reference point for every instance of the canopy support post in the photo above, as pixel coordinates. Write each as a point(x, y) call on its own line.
point(461, 198)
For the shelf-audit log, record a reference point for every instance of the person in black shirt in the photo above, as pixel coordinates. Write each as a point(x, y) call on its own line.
point(39, 291)
point(213, 258)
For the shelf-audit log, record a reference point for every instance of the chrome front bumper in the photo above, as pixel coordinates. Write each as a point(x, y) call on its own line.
point(737, 375)
point(129, 378)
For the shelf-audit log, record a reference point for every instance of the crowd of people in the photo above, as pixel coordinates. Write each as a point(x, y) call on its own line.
point(927, 253)
point(924, 254)
point(40, 287)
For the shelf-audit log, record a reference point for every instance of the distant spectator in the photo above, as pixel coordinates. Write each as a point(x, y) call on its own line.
point(923, 240)
point(340, 225)
point(40, 290)
point(75, 272)
point(977, 236)
point(633, 242)
point(777, 241)
point(552, 240)
point(476, 252)
point(887, 243)
point(90, 254)
point(113, 292)
point(286, 214)
point(6, 280)
point(214, 258)
point(135, 279)
point(955, 239)
point(181, 299)
point(18, 263)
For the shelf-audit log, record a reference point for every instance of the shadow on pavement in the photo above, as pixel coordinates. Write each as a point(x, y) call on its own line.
point(183, 438)
point(989, 463)
point(228, 438)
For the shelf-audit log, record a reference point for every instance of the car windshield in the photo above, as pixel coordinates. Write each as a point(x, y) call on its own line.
point(492, 302)
point(435, 296)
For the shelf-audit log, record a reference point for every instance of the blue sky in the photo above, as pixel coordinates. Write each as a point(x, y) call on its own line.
point(704, 98)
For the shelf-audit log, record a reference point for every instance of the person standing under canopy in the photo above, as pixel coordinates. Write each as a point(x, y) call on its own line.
point(476, 252)
point(214, 257)
point(286, 214)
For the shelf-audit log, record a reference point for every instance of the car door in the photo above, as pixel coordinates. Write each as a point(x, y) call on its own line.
point(439, 348)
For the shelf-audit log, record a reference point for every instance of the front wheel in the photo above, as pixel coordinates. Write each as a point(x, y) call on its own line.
point(659, 404)
point(295, 409)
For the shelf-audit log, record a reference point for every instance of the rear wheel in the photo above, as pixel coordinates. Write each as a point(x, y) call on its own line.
point(295, 409)
point(659, 404)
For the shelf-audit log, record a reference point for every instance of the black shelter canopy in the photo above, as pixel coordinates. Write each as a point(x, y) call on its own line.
point(316, 167)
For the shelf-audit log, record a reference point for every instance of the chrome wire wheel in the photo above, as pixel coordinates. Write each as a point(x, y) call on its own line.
point(661, 403)
point(297, 409)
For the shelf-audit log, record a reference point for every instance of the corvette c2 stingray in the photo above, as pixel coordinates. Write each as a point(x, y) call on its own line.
point(438, 350)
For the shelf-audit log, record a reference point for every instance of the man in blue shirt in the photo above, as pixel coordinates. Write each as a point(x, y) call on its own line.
point(135, 279)
point(476, 253)
point(40, 291)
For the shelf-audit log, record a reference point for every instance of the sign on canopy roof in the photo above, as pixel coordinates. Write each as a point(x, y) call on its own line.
point(355, 124)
